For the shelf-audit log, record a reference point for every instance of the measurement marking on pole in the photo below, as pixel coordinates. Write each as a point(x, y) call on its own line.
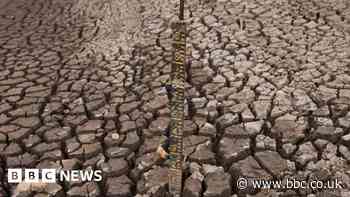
point(177, 110)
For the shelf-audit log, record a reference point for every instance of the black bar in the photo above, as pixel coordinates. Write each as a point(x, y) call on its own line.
point(182, 8)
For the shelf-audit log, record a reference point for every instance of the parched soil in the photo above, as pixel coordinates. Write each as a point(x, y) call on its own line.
point(267, 94)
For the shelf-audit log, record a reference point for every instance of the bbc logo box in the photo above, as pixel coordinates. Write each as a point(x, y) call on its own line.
point(14, 175)
point(17, 175)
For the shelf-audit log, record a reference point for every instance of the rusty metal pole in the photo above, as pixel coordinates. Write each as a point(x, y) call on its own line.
point(182, 10)
point(177, 105)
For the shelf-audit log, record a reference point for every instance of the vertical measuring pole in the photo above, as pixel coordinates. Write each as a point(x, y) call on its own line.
point(177, 105)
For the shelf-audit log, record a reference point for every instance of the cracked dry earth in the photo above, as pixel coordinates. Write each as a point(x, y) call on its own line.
point(267, 94)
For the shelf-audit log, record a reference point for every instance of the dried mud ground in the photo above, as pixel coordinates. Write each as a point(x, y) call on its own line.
point(267, 94)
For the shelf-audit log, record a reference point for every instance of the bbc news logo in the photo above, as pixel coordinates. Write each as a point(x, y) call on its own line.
point(17, 175)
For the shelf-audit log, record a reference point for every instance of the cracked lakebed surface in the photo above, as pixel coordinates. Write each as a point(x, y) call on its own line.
point(267, 94)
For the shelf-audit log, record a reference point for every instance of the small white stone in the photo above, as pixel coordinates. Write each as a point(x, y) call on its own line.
point(115, 136)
